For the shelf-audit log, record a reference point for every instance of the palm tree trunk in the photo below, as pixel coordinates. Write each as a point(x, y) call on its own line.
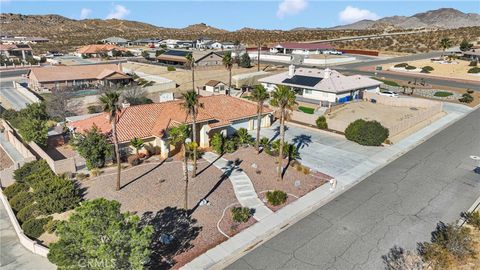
point(229, 80)
point(282, 139)
point(117, 153)
point(259, 125)
point(194, 129)
point(193, 78)
point(185, 175)
point(258, 58)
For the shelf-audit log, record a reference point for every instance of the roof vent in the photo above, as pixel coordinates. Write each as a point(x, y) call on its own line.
point(291, 71)
point(125, 105)
point(327, 72)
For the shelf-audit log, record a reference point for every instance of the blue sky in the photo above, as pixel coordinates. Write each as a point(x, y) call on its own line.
point(232, 15)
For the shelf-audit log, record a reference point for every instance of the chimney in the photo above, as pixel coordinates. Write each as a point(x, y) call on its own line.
point(125, 105)
point(327, 72)
point(291, 71)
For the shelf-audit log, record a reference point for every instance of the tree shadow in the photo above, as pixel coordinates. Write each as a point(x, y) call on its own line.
point(174, 229)
point(277, 133)
point(143, 174)
point(209, 165)
point(302, 140)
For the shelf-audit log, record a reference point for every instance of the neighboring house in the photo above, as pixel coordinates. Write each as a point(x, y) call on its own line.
point(472, 55)
point(203, 42)
point(16, 51)
point(322, 87)
point(150, 42)
point(83, 76)
point(216, 87)
point(22, 40)
point(185, 44)
point(301, 48)
point(170, 43)
point(98, 50)
point(151, 122)
point(115, 41)
point(178, 57)
point(221, 45)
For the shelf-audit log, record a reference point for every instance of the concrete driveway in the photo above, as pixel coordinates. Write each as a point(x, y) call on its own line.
point(322, 151)
point(9, 94)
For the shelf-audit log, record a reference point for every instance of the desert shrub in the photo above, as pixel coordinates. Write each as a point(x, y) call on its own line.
point(472, 218)
point(230, 146)
point(322, 122)
point(469, 91)
point(217, 143)
point(81, 176)
point(28, 212)
point(370, 133)
point(442, 94)
point(93, 109)
point(398, 259)
point(473, 63)
point(170, 68)
point(276, 197)
point(264, 141)
point(426, 69)
point(242, 136)
point(34, 227)
point(95, 172)
point(466, 98)
point(410, 67)
point(305, 169)
point(241, 214)
point(57, 195)
point(474, 70)
point(401, 65)
point(51, 226)
point(133, 160)
point(21, 200)
point(14, 189)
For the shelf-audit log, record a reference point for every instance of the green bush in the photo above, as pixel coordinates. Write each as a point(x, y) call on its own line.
point(34, 227)
point(14, 189)
point(170, 68)
point(401, 65)
point(473, 63)
point(28, 212)
point(410, 67)
point(21, 200)
point(370, 133)
point(426, 69)
point(93, 109)
point(474, 70)
point(442, 94)
point(30, 168)
point(230, 146)
point(57, 195)
point(276, 197)
point(241, 214)
point(217, 142)
point(322, 122)
point(51, 226)
point(306, 109)
point(466, 98)
point(242, 137)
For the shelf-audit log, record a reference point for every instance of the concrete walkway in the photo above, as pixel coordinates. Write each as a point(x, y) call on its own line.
point(10, 149)
point(242, 185)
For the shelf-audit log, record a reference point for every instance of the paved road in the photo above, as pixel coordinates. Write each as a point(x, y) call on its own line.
point(400, 204)
point(16, 100)
point(407, 58)
point(13, 255)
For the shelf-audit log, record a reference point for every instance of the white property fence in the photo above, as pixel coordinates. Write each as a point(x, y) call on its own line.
point(24, 240)
point(308, 61)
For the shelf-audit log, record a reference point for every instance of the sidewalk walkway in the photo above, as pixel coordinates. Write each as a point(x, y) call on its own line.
point(242, 185)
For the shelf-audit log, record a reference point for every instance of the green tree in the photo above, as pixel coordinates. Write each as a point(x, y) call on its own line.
point(465, 45)
point(159, 52)
point(284, 99)
point(228, 63)
point(137, 144)
point(191, 64)
point(110, 103)
point(445, 43)
point(145, 55)
point(57, 195)
point(191, 105)
point(245, 61)
point(259, 95)
point(177, 136)
point(33, 123)
point(94, 147)
point(98, 236)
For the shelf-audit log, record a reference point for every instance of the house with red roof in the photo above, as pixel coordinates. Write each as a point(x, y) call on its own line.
point(151, 122)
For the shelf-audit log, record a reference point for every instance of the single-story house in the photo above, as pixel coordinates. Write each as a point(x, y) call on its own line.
point(178, 57)
point(216, 87)
point(151, 122)
point(201, 42)
point(322, 87)
point(146, 42)
point(186, 44)
point(115, 41)
point(472, 55)
point(222, 45)
point(22, 40)
point(18, 51)
point(98, 50)
point(82, 76)
point(301, 48)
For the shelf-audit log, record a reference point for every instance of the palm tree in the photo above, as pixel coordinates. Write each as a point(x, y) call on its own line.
point(110, 105)
point(178, 136)
point(191, 63)
point(258, 56)
point(228, 63)
point(137, 144)
point(191, 105)
point(284, 99)
point(445, 43)
point(259, 94)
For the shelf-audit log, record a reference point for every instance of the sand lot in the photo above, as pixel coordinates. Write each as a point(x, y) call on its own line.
point(183, 78)
point(458, 69)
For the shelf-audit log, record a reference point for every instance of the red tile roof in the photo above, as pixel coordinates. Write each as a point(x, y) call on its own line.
point(143, 121)
point(99, 48)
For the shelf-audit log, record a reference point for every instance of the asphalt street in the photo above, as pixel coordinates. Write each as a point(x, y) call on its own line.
point(398, 205)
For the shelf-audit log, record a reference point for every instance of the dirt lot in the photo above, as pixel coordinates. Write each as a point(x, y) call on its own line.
point(5, 161)
point(458, 69)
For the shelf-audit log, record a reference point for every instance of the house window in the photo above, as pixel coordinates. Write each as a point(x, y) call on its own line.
point(307, 91)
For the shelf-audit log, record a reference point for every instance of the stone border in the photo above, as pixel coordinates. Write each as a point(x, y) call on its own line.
point(28, 243)
point(234, 248)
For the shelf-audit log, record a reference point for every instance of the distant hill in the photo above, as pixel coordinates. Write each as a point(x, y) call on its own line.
point(444, 18)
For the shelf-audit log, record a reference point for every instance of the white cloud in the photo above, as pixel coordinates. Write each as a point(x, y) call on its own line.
point(85, 13)
point(118, 12)
point(291, 7)
point(352, 14)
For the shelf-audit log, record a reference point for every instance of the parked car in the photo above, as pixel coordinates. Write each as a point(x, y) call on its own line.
point(388, 94)
point(334, 52)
